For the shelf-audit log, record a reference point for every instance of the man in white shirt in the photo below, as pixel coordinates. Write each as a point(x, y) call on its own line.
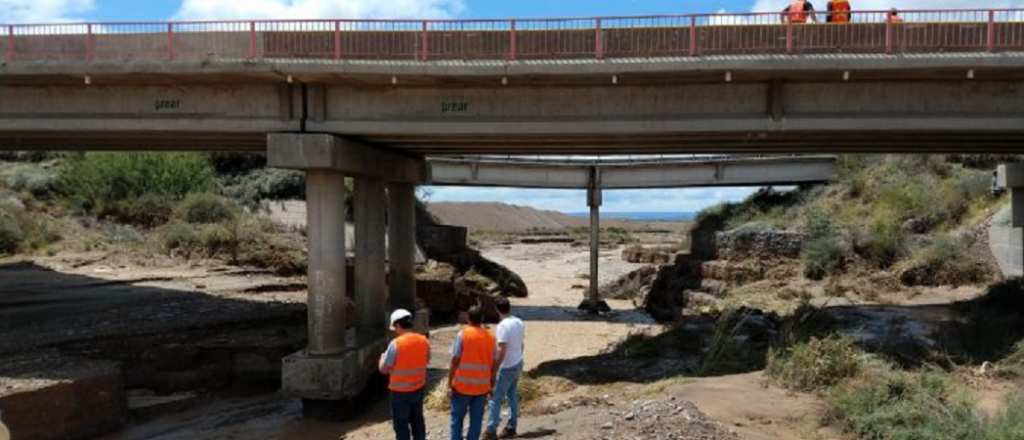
point(509, 366)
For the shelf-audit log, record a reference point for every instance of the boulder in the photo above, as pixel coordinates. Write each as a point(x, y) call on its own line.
point(628, 286)
point(649, 255)
point(434, 287)
point(758, 241)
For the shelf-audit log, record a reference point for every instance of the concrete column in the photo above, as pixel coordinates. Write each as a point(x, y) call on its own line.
point(402, 245)
point(325, 216)
point(593, 304)
point(371, 290)
point(594, 201)
point(1017, 206)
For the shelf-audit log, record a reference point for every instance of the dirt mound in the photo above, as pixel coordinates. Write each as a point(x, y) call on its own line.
point(647, 419)
point(500, 217)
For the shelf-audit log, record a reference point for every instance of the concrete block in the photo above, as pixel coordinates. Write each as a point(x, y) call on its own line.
point(336, 377)
point(1010, 175)
point(53, 397)
point(442, 240)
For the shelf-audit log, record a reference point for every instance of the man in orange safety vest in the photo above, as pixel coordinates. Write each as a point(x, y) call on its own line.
point(838, 11)
point(471, 376)
point(405, 361)
point(798, 12)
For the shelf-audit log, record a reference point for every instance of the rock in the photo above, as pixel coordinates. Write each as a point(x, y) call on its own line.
point(758, 241)
point(732, 272)
point(649, 255)
point(915, 226)
point(629, 416)
point(607, 425)
point(434, 286)
point(628, 286)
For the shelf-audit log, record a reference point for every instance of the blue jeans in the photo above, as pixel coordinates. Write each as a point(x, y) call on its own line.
point(407, 415)
point(507, 387)
point(475, 405)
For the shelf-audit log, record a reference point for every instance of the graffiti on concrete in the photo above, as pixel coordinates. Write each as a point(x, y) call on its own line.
point(167, 104)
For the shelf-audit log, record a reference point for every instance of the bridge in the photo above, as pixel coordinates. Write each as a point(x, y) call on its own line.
point(395, 103)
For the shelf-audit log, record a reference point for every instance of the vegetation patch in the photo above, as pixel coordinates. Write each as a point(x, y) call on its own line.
point(943, 262)
point(899, 405)
point(815, 365)
point(100, 182)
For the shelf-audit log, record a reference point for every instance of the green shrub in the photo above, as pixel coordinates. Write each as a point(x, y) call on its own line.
point(147, 211)
point(181, 237)
point(943, 262)
point(11, 235)
point(816, 364)
point(885, 241)
point(251, 188)
point(897, 405)
point(92, 180)
point(31, 178)
point(823, 256)
point(218, 240)
point(1010, 424)
point(204, 208)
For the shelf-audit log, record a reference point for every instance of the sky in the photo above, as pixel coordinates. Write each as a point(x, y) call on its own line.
point(681, 200)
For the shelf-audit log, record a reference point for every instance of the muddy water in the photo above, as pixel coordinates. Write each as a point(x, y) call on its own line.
point(555, 330)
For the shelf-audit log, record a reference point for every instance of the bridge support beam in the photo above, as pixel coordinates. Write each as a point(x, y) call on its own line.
point(1007, 243)
point(402, 245)
point(370, 283)
point(593, 304)
point(342, 353)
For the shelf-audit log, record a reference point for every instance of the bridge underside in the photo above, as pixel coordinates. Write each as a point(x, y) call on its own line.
point(754, 104)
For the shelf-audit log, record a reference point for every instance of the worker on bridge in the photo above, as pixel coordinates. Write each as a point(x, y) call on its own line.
point(406, 362)
point(838, 11)
point(471, 375)
point(798, 12)
point(894, 16)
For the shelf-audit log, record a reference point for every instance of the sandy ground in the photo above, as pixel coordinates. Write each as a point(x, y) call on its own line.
point(555, 330)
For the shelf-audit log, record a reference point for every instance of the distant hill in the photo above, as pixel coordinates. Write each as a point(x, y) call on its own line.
point(503, 217)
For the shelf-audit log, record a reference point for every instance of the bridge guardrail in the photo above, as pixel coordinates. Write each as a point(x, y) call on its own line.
point(869, 32)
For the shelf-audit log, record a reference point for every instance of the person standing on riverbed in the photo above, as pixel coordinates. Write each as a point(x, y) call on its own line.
point(406, 362)
point(471, 375)
point(509, 366)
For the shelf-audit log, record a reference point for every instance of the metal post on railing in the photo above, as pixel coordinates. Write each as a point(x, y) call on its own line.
point(991, 43)
point(337, 39)
point(90, 43)
point(423, 43)
point(170, 41)
point(11, 54)
point(512, 42)
point(693, 35)
point(888, 34)
point(598, 49)
point(252, 40)
point(789, 33)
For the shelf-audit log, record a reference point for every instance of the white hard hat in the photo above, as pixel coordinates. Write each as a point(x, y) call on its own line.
point(399, 315)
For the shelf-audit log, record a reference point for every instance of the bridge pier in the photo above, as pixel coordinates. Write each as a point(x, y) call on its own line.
point(593, 304)
point(1007, 243)
point(402, 245)
point(342, 352)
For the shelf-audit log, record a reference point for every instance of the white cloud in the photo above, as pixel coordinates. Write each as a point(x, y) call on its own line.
point(662, 200)
point(311, 9)
point(43, 11)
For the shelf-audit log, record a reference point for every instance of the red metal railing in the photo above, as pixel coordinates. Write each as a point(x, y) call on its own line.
point(977, 30)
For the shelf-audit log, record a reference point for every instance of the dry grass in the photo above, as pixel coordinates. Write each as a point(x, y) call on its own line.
point(531, 390)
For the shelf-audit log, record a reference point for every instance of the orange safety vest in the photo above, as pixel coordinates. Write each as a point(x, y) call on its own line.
point(796, 12)
point(840, 11)
point(410, 371)
point(473, 377)
point(895, 19)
